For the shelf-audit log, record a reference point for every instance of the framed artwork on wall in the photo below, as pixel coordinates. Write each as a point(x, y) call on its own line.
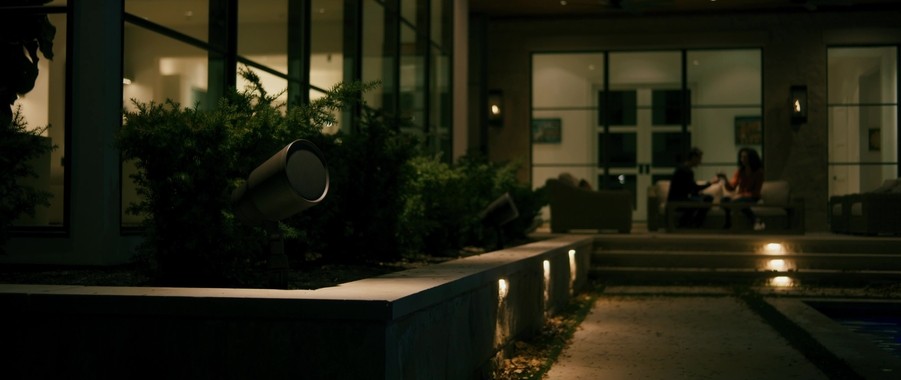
point(546, 131)
point(748, 130)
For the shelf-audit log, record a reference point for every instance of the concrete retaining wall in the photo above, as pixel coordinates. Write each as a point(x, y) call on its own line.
point(445, 321)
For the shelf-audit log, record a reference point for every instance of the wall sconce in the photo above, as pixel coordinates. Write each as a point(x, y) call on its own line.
point(495, 107)
point(798, 104)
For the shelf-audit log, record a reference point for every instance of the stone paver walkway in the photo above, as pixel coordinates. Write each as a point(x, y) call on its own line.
point(693, 336)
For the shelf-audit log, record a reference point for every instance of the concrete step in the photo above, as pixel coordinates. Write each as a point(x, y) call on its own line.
point(749, 261)
point(669, 258)
point(740, 276)
point(746, 243)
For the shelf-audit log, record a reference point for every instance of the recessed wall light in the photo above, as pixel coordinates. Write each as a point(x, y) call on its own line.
point(563, 2)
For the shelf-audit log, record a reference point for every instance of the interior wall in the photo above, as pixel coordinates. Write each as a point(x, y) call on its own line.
point(794, 53)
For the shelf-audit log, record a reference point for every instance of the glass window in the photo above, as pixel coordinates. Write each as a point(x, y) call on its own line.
point(412, 78)
point(621, 149)
point(653, 80)
point(726, 105)
point(645, 145)
point(565, 116)
point(190, 17)
point(566, 80)
point(666, 107)
point(273, 84)
point(327, 44)
point(263, 39)
point(438, 18)
point(667, 148)
point(408, 11)
point(158, 68)
point(623, 108)
point(863, 117)
point(440, 99)
point(45, 106)
point(373, 50)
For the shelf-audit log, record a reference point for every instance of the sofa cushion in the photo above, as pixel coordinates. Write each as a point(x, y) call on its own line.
point(775, 192)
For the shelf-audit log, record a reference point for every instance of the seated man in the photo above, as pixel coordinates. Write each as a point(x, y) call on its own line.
point(683, 187)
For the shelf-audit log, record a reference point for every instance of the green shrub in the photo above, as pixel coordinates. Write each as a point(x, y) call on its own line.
point(189, 163)
point(359, 219)
point(434, 214)
point(18, 146)
point(384, 200)
point(444, 202)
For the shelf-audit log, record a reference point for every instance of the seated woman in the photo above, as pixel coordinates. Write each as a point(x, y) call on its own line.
point(746, 183)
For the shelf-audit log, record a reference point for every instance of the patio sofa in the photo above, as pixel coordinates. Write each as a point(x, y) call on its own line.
point(876, 212)
point(575, 208)
point(777, 208)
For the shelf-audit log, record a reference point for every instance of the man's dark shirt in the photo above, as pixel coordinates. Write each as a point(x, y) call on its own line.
point(683, 185)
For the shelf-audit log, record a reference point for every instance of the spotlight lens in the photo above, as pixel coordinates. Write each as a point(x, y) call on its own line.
point(307, 174)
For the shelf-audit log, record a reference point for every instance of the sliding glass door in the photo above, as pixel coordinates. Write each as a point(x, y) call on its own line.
point(640, 124)
point(623, 120)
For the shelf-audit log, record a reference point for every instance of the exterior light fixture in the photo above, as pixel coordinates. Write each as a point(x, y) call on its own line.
point(798, 104)
point(546, 266)
point(573, 270)
point(777, 265)
point(781, 282)
point(496, 107)
point(773, 249)
point(499, 213)
point(502, 290)
point(293, 179)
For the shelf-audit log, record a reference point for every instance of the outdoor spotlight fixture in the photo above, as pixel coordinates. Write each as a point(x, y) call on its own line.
point(798, 97)
point(294, 179)
point(499, 213)
point(495, 107)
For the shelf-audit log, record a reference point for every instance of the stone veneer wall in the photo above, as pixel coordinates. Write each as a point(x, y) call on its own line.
point(443, 321)
point(794, 53)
